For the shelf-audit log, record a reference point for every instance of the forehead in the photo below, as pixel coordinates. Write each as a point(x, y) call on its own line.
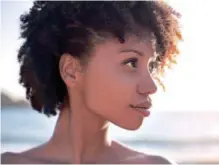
point(111, 47)
point(141, 40)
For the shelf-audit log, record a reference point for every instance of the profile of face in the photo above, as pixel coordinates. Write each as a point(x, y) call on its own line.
point(116, 77)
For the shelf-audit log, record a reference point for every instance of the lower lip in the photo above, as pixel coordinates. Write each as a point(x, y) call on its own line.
point(144, 112)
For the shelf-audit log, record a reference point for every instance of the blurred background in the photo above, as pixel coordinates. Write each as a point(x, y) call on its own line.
point(184, 121)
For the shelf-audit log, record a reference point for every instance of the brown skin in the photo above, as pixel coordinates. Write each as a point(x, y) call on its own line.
point(100, 92)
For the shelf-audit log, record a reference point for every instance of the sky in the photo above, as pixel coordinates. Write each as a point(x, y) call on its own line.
point(192, 85)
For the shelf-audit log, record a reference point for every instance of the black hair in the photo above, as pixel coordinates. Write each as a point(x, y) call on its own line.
point(52, 28)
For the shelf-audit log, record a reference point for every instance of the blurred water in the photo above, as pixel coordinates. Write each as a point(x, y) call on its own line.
point(179, 135)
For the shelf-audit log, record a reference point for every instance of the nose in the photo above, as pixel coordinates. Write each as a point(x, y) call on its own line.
point(146, 85)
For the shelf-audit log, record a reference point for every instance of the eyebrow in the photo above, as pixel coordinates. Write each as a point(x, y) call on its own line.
point(132, 50)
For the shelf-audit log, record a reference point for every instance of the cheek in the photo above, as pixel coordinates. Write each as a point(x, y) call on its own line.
point(107, 92)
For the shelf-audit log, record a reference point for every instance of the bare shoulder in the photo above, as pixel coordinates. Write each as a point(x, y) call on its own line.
point(143, 158)
point(5, 158)
point(9, 158)
point(155, 159)
point(133, 156)
point(15, 158)
point(25, 157)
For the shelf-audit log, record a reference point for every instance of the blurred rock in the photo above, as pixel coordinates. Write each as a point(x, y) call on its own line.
point(8, 101)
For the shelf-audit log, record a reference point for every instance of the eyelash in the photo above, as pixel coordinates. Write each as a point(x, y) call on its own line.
point(135, 60)
point(151, 66)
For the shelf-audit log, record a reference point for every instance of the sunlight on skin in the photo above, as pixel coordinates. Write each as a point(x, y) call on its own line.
point(186, 89)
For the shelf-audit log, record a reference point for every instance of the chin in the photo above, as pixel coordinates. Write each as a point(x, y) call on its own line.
point(131, 126)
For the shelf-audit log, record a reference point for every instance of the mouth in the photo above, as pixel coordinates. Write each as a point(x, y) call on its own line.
point(142, 109)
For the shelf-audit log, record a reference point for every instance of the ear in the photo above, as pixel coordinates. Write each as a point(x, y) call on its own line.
point(70, 70)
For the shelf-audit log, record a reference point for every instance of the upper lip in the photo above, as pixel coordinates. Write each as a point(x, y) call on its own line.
point(145, 105)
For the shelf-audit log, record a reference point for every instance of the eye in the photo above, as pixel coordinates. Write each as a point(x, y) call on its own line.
point(131, 62)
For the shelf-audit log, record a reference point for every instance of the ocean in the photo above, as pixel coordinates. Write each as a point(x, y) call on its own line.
point(181, 136)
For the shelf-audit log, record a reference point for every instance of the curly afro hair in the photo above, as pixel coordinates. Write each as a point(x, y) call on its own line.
point(51, 29)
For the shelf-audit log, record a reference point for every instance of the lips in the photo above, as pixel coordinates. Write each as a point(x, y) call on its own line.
point(142, 108)
point(143, 105)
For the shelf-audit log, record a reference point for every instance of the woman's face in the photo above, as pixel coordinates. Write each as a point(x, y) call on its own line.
point(118, 76)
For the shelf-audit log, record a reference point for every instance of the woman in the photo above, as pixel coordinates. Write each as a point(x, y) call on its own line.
point(94, 63)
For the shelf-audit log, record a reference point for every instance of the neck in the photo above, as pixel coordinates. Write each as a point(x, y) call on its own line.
point(81, 135)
